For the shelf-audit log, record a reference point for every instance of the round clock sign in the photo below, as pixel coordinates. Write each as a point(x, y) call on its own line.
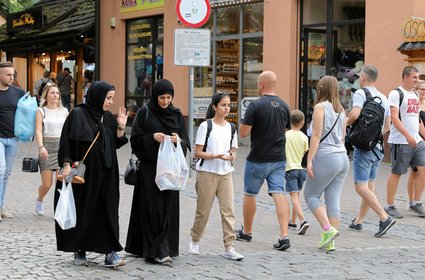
point(193, 13)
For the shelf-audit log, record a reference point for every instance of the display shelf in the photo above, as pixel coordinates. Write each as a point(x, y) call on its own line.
point(227, 74)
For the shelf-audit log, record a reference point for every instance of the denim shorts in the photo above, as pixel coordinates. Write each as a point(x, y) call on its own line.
point(257, 172)
point(366, 165)
point(295, 180)
point(403, 155)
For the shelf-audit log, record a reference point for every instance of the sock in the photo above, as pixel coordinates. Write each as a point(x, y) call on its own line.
point(327, 227)
point(283, 238)
point(414, 202)
point(388, 206)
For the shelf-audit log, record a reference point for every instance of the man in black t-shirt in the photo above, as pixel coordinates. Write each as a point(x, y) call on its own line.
point(9, 96)
point(266, 120)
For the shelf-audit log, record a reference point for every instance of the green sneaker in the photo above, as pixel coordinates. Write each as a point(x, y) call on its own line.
point(331, 246)
point(328, 237)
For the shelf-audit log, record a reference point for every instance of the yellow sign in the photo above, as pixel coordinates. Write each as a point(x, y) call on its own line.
point(24, 19)
point(414, 29)
point(140, 5)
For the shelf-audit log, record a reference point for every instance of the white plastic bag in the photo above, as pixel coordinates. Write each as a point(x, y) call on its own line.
point(171, 169)
point(65, 213)
point(24, 127)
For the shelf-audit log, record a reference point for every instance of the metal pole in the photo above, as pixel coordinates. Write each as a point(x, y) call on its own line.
point(190, 116)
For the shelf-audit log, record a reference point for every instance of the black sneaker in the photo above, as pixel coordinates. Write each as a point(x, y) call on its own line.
point(355, 227)
point(385, 226)
point(80, 258)
point(282, 244)
point(241, 236)
point(292, 226)
point(303, 228)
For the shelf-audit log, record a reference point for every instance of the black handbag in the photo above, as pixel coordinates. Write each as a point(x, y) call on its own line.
point(130, 174)
point(30, 164)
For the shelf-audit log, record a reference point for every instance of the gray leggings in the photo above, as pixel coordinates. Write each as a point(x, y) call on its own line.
point(329, 175)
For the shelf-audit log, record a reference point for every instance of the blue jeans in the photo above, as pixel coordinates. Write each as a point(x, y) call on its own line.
point(256, 173)
point(8, 151)
point(366, 165)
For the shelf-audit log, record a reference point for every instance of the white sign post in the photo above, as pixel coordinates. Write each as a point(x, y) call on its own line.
point(192, 47)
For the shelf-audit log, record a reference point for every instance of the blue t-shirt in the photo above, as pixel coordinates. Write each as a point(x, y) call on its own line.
point(269, 117)
point(8, 104)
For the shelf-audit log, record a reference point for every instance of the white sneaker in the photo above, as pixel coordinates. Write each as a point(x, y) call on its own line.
point(39, 209)
point(232, 255)
point(5, 214)
point(194, 248)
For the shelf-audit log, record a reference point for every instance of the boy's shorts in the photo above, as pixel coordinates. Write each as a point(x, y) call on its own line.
point(403, 155)
point(295, 180)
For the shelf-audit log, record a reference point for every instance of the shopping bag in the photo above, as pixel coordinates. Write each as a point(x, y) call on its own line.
point(171, 169)
point(65, 214)
point(24, 126)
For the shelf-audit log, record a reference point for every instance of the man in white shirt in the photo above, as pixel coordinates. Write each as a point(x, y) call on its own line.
point(407, 147)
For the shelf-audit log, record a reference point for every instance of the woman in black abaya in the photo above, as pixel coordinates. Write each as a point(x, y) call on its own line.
point(153, 231)
point(96, 200)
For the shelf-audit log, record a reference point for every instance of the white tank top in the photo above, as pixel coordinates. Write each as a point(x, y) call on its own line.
point(53, 120)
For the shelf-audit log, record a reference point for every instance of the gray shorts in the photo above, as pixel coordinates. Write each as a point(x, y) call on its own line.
point(403, 155)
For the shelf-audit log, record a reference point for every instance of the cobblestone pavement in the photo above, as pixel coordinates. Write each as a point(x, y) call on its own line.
point(28, 248)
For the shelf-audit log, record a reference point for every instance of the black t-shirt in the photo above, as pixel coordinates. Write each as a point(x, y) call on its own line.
point(8, 104)
point(269, 117)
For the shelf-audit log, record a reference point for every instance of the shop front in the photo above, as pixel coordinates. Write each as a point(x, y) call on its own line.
point(48, 37)
point(414, 43)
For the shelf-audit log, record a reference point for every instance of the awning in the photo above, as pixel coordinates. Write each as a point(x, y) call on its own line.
point(66, 25)
point(412, 46)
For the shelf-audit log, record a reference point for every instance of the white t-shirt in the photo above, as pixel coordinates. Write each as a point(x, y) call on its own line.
point(53, 120)
point(409, 112)
point(218, 143)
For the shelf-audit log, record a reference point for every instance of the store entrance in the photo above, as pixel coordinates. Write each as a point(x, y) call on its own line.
point(313, 67)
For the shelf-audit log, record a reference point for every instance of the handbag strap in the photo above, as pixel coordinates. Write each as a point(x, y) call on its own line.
point(91, 145)
point(330, 130)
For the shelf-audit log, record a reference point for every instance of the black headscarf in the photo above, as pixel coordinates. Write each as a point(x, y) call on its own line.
point(96, 95)
point(169, 116)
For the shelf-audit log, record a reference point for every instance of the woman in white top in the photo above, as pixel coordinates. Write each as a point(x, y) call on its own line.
point(49, 121)
point(214, 176)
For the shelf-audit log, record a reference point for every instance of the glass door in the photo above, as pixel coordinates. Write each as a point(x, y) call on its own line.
point(313, 67)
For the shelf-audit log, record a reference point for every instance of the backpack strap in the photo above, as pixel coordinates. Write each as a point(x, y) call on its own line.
point(209, 128)
point(233, 130)
point(367, 94)
point(400, 97)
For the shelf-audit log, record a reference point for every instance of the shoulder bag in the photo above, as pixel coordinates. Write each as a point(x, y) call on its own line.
point(78, 168)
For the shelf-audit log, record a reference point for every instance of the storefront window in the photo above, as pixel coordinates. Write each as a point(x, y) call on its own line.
point(337, 52)
point(253, 18)
point(228, 20)
point(348, 9)
point(144, 60)
point(314, 11)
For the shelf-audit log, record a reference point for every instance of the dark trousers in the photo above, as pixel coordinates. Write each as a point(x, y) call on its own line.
point(66, 100)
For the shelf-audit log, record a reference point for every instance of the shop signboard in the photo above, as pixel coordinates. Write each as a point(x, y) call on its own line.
point(414, 29)
point(192, 47)
point(200, 107)
point(193, 13)
point(140, 5)
point(28, 19)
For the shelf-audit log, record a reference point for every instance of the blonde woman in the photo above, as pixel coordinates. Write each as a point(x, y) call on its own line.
point(49, 121)
point(327, 161)
point(415, 187)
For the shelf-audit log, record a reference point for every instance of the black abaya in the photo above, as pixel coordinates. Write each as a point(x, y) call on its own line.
point(154, 222)
point(96, 200)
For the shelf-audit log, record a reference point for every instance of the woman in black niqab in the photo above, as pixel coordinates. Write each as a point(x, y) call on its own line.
point(153, 231)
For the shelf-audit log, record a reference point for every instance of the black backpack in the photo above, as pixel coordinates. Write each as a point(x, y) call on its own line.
point(366, 133)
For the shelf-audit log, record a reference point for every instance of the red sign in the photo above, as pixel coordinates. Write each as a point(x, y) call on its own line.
point(193, 13)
